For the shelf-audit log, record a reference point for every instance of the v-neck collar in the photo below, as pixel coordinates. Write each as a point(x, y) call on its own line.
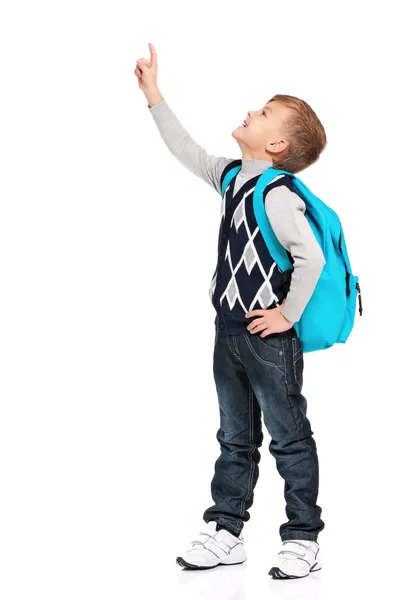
point(250, 182)
point(252, 167)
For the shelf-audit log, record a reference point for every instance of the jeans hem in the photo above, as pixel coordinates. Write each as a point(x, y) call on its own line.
point(226, 525)
point(311, 537)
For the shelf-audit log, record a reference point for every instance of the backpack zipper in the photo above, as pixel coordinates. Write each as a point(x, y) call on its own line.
point(359, 298)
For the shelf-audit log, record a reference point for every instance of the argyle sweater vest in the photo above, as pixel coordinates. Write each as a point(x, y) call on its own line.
point(246, 277)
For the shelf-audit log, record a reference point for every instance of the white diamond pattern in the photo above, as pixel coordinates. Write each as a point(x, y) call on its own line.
point(239, 216)
point(265, 295)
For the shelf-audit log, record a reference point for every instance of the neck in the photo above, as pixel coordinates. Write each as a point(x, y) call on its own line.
point(254, 166)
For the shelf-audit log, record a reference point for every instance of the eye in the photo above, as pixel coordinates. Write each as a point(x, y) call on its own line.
point(264, 113)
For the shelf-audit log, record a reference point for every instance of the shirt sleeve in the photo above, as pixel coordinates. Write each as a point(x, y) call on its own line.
point(188, 152)
point(285, 211)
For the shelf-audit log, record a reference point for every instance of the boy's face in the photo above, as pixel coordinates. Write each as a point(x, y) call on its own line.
point(264, 131)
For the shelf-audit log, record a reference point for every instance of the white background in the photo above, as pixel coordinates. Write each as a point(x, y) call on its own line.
point(107, 248)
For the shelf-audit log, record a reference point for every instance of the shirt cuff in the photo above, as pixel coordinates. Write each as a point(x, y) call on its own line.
point(160, 110)
point(291, 313)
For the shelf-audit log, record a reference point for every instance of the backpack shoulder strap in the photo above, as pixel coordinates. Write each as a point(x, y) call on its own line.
point(229, 173)
point(264, 183)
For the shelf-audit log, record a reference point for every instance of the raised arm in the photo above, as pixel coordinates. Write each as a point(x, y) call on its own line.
point(188, 152)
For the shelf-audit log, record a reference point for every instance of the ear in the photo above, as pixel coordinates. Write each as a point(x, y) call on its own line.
point(276, 147)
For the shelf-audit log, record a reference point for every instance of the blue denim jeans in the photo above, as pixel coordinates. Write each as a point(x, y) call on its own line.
point(262, 378)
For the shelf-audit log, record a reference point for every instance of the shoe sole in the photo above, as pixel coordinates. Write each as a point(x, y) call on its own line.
point(276, 573)
point(180, 561)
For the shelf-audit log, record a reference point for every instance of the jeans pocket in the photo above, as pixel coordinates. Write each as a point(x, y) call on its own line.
point(267, 351)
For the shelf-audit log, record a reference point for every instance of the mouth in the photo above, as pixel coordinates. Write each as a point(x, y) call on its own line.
point(244, 124)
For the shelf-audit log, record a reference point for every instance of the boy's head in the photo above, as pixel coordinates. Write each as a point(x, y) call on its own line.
point(286, 132)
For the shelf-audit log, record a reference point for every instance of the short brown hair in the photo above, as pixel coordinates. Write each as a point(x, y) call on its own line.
point(305, 135)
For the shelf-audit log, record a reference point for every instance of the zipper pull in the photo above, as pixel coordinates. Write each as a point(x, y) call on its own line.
point(359, 298)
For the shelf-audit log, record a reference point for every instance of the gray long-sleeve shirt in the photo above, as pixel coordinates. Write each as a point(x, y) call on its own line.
point(284, 208)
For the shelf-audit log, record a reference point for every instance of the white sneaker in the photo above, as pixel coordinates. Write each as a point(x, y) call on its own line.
point(213, 548)
point(298, 558)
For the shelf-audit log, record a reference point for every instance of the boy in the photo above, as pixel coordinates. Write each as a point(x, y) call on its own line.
point(258, 358)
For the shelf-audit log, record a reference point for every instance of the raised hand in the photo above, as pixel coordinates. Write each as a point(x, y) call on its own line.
point(147, 71)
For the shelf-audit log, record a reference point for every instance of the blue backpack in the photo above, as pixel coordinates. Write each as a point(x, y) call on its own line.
point(329, 316)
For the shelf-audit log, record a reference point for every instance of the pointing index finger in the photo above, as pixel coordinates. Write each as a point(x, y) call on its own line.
point(153, 55)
